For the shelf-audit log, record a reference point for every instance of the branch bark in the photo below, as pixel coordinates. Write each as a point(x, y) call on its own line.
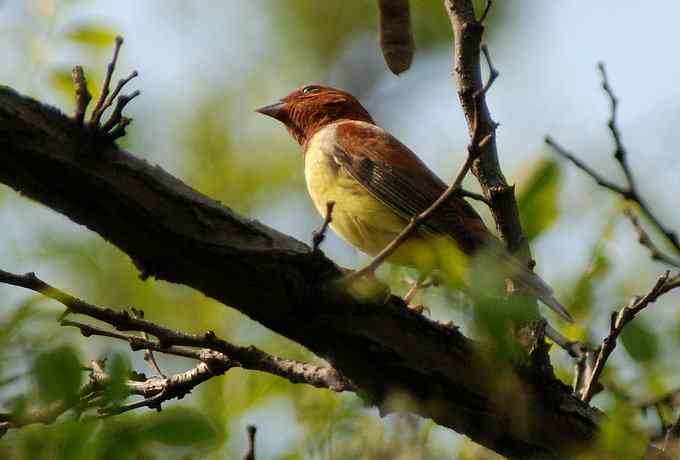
point(174, 233)
point(467, 44)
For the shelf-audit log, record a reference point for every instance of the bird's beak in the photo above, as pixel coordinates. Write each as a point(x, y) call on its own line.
point(277, 110)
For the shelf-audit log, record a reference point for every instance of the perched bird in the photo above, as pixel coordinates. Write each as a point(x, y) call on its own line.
point(378, 184)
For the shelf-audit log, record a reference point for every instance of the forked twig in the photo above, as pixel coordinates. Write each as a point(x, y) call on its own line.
point(618, 321)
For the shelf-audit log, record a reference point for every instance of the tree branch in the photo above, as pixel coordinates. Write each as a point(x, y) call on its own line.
point(645, 240)
point(467, 40)
point(618, 322)
point(629, 192)
point(247, 357)
point(174, 233)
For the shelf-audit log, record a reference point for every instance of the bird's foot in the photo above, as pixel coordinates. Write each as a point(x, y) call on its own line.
point(422, 309)
point(421, 283)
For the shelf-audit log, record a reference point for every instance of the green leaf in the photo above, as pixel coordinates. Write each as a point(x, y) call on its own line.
point(180, 427)
point(538, 201)
point(639, 340)
point(61, 82)
point(618, 437)
point(582, 294)
point(58, 374)
point(119, 370)
point(96, 35)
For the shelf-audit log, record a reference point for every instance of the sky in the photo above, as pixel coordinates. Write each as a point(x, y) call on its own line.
point(546, 54)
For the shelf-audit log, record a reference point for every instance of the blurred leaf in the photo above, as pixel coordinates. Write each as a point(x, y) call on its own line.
point(618, 437)
point(538, 201)
point(73, 436)
point(58, 374)
point(96, 35)
point(639, 340)
point(219, 170)
point(118, 439)
point(453, 262)
point(61, 82)
point(178, 426)
point(119, 369)
point(582, 294)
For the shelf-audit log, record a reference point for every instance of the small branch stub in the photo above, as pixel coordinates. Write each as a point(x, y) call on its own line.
point(82, 95)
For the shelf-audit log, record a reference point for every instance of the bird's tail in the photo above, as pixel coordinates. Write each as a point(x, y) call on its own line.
point(535, 286)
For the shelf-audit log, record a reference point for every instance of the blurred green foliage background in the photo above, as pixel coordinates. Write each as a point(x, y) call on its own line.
point(204, 67)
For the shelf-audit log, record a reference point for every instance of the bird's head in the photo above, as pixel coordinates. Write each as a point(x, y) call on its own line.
point(310, 108)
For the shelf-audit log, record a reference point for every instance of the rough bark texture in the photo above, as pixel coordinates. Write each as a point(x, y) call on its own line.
point(467, 71)
point(174, 233)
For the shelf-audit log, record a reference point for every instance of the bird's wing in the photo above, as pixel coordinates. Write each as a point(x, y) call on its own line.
point(393, 174)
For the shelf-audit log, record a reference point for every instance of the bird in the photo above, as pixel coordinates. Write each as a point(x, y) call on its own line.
point(378, 184)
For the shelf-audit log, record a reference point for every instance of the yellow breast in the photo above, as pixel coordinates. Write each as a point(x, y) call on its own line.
point(358, 217)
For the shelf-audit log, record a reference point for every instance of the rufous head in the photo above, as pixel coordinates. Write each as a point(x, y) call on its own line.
point(310, 108)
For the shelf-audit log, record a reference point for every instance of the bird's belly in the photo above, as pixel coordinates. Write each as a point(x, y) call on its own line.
point(358, 217)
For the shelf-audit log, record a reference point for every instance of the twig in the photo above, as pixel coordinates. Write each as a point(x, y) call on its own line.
point(82, 95)
point(116, 116)
point(157, 390)
point(250, 453)
point(476, 145)
point(671, 398)
point(645, 240)
point(148, 353)
point(618, 322)
point(630, 192)
point(122, 82)
point(319, 235)
point(482, 18)
point(119, 130)
point(601, 181)
point(247, 357)
point(672, 436)
point(98, 111)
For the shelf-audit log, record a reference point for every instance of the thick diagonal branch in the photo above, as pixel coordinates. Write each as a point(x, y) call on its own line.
point(174, 233)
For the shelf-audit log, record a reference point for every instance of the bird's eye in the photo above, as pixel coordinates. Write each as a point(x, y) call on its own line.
point(310, 89)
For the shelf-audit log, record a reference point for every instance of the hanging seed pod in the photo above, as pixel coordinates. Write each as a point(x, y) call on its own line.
point(396, 38)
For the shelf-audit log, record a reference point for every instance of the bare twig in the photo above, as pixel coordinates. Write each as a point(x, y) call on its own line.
point(671, 398)
point(672, 436)
point(119, 130)
point(645, 240)
point(98, 111)
point(601, 181)
point(629, 192)
point(116, 116)
point(246, 357)
point(82, 95)
point(482, 18)
point(157, 390)
point(148, 353)
point(122, 82)
point(319, 235)
point(618, 322)
point(250, 453)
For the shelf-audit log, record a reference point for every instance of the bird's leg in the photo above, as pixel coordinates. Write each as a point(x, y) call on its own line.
point(423, 282)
